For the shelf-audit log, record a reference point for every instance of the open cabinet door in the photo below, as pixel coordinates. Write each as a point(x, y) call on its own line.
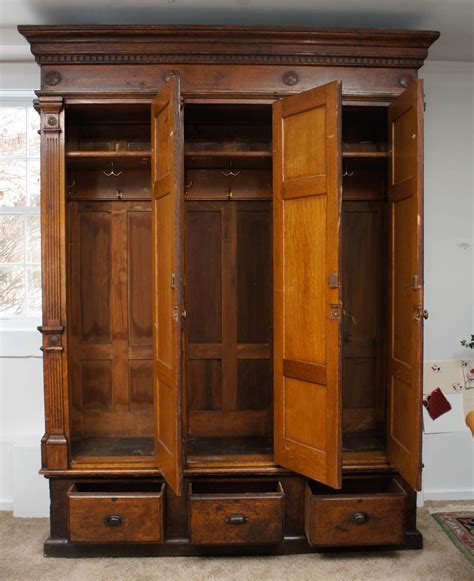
point(405, 118)
point(167, 179)
point(307, 289)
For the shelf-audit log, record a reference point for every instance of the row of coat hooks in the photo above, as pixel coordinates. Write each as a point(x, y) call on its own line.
point(229, 172)
point(108, 173)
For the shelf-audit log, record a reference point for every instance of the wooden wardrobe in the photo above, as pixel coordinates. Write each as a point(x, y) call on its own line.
point(232, 223)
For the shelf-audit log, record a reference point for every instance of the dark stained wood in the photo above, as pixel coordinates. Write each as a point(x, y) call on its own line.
point(203, 273)
point(364, 513)
point(55, 453)
point(204, 378)
point(97, 83)
point(167, 240)
point(405, 122)
point(306, 255)
point(236, 422)
point(212, 184)
point(228, 322)
point(229, 446)
point(364, 323)
point(368, 179)
point(111, 517)
point(110, 309)
point(249, 61)
point(236, 513)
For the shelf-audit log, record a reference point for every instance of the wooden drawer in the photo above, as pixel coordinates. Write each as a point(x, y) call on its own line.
point(236, 512)
point(116, 512)
point(363, 512)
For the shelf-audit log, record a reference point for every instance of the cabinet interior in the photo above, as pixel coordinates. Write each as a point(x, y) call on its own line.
point(228, 387)
point(228, 282)
point(109, 282)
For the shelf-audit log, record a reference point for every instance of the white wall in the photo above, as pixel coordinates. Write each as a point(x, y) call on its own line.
point(449, 280)
point(449, 268)
point(449, 196)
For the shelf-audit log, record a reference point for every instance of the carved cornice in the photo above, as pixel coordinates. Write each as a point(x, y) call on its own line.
point(239, 59)
point(246, 45)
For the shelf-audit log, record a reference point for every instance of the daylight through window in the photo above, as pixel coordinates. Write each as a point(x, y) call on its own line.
point(20, 275)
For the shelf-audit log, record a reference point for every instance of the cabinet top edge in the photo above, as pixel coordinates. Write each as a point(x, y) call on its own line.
point(267, 45)
point(229, 33)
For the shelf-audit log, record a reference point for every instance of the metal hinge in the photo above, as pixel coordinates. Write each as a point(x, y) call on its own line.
point(334, 280)
point(415, 282)
point(173, 280)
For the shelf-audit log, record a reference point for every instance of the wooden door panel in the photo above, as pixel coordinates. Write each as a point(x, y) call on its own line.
point(109, 311)
point(203, 274)
point(365, 320)
point(94, 229)
point(406, 290)
point(228, 330)
point(167, 192)
point(139, 235)
point(307, 294)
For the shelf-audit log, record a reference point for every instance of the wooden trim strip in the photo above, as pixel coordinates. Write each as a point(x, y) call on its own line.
point(311, 372)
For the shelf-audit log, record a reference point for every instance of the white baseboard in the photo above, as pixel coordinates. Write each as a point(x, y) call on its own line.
point(448, 495)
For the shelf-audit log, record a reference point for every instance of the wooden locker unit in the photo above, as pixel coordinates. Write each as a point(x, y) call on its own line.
point(232, 287)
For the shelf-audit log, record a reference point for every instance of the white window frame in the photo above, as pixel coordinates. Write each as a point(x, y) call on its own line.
point(13, 98)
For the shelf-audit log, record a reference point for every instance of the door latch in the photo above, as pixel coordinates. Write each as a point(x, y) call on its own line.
point(335, 312)
point(420, 313)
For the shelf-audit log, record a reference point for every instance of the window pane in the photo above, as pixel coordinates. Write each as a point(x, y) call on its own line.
point(11, 238)
point(12, 183)
point(34, 183)
point(33, 238)
point(12, 290)
point(12, 131)
point(33, 298)
point(33, 137)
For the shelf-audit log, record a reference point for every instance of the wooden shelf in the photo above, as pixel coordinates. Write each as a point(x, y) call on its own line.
point(222, 159)
point(226, 154)
point(103, 159)
point(78, 154)
point(107, 449)
point(365, 154)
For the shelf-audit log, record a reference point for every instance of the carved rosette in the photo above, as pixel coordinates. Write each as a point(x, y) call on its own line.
point(54, 308)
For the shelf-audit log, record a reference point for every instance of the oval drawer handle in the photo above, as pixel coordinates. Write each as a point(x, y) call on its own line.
point(359, 518)
point(114, 520)
point(236, 519)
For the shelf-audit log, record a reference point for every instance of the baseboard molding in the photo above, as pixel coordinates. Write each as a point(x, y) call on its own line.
point(448, 495)
point(6, 504)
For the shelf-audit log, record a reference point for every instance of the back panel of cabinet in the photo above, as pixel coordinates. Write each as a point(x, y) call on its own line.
point(228, 281)
point(110, 329)
point(365, 282)
point(109, 281)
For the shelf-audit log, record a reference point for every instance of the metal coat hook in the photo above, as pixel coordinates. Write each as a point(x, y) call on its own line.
point(119, 194)
point(229, 194)
point(187, 186)
point(112, 171)
point(346, 172)
point(230, 171)
point(70, 186)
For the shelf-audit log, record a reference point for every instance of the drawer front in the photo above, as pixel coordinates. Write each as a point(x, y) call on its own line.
point(234, 519)
point(348, 520)
point(115, 518)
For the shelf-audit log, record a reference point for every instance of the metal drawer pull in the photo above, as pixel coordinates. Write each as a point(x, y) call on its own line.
point(359, 518)
point(113, 520)
point(236, 519)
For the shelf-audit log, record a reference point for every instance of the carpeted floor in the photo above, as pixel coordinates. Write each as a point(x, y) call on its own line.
point(21, 559)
